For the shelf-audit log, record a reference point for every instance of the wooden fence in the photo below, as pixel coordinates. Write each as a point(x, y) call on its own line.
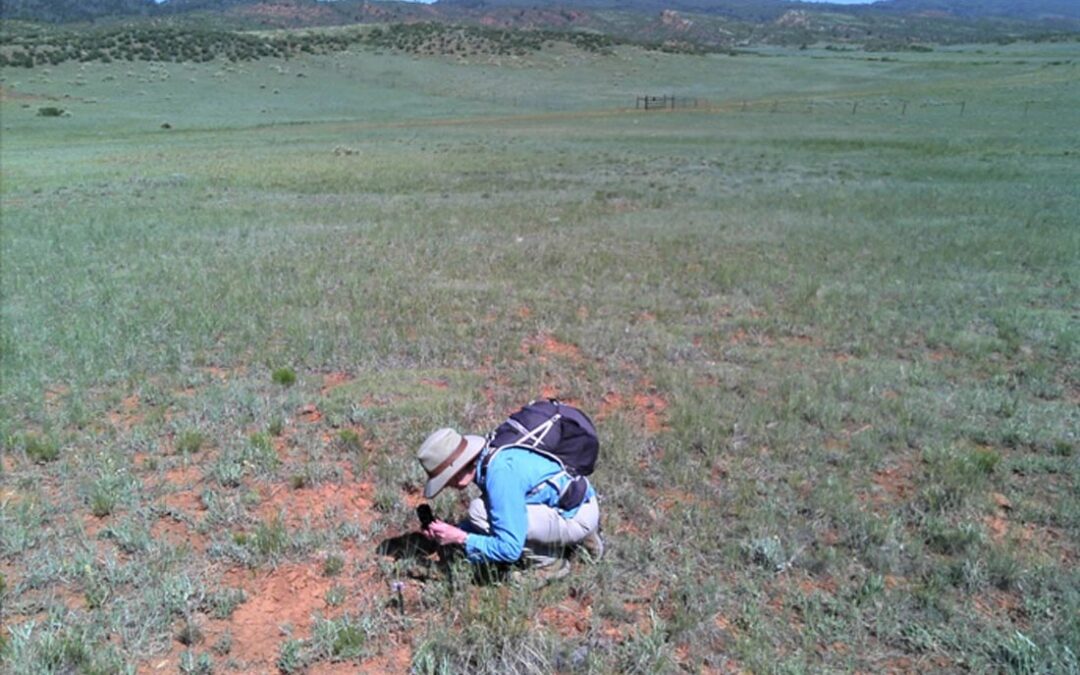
point(665, 102)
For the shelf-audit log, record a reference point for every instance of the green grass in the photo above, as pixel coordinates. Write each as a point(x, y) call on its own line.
point(857, 331)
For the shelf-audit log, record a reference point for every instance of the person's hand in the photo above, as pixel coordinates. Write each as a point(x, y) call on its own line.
point(444, 533)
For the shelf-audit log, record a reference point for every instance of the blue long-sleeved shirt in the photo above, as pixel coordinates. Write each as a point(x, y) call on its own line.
point(505, 488)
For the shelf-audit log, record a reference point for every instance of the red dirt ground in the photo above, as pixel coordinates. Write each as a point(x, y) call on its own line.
point(350, 500)
point(648, 407)
point(544, 346)
point(127, 414)
point(894, 484)
point(186, 498)
point(332, 380)
point(288, 595)
point(283, 602)
point(177, 533)
point(568, 618)
point(308, 414)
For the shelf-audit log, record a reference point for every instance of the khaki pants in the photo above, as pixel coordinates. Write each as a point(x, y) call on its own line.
point(549, 532)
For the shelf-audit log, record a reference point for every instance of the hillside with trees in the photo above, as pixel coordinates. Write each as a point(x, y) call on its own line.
point(200, 29)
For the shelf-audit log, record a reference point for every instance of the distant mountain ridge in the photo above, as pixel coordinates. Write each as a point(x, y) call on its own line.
point(56, 11)
point(1032, 10)
point(704, 22)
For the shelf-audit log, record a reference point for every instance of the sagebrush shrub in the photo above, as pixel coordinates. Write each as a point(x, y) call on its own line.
point(286, 377)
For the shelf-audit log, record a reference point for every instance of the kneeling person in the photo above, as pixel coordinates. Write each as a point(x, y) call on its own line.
point(518, 510)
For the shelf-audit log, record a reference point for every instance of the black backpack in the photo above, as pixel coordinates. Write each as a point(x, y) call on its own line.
point(557, 431)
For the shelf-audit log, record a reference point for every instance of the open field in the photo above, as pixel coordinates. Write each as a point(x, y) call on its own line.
point(828, 324)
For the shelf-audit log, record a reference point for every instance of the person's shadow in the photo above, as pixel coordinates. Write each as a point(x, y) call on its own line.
point(408, 546)
point(420, 558)
point(427, 561)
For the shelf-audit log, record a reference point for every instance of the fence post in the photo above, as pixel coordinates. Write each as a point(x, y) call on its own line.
point(963, 104)
point(903, 111)
point(854, 107)
point(1026, 104)
point(744, 105)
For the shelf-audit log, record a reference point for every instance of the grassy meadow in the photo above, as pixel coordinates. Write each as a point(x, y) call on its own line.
point(827, 322)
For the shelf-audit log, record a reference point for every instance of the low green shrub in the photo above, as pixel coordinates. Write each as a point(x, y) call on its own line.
point(336, 595)
point(228, 471)
point(190, 664)
point(349, 439)
point(270, 538)
point(41, 450)
point(260, 452)
point(333, 565)
point(221, 604)
point(286, 377)
point(189, 442)
point(189, 633)
point(942, 537)
point(290, 658)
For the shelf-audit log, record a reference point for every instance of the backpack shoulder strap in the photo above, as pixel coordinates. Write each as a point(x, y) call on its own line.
point(491, 452)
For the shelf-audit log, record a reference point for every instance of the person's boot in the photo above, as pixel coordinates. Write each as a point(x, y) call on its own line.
point(593, 545)
point(542, 575)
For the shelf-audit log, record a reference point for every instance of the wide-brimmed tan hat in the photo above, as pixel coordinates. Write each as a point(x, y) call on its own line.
point(443, 454)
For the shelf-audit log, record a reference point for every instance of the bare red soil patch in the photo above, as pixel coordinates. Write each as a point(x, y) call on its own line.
point(53, 394)
point(609, 403)
point(9, 495)
point(568, 618)
point(350, 500)
point(288, 596)
point(127, 414)
point(177, 533)
point(651, 407)
point(92, 525)
point(809, 585)
point(544, 346)
point(648, 407)
point(893, 484)
point(280, 603)
point(216, 372)
point(333, 380)
point(756, 338)
point(308, 413)
point(994, 602)
point(638, 613)
point(185, 498)
point(799, 341)
point(184, 476)
point(939, 355)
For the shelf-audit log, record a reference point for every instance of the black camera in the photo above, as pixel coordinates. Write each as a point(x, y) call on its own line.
point(423, 512)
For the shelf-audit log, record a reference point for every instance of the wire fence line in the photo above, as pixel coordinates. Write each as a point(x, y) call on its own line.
point(850, 106)
point(666, 102)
